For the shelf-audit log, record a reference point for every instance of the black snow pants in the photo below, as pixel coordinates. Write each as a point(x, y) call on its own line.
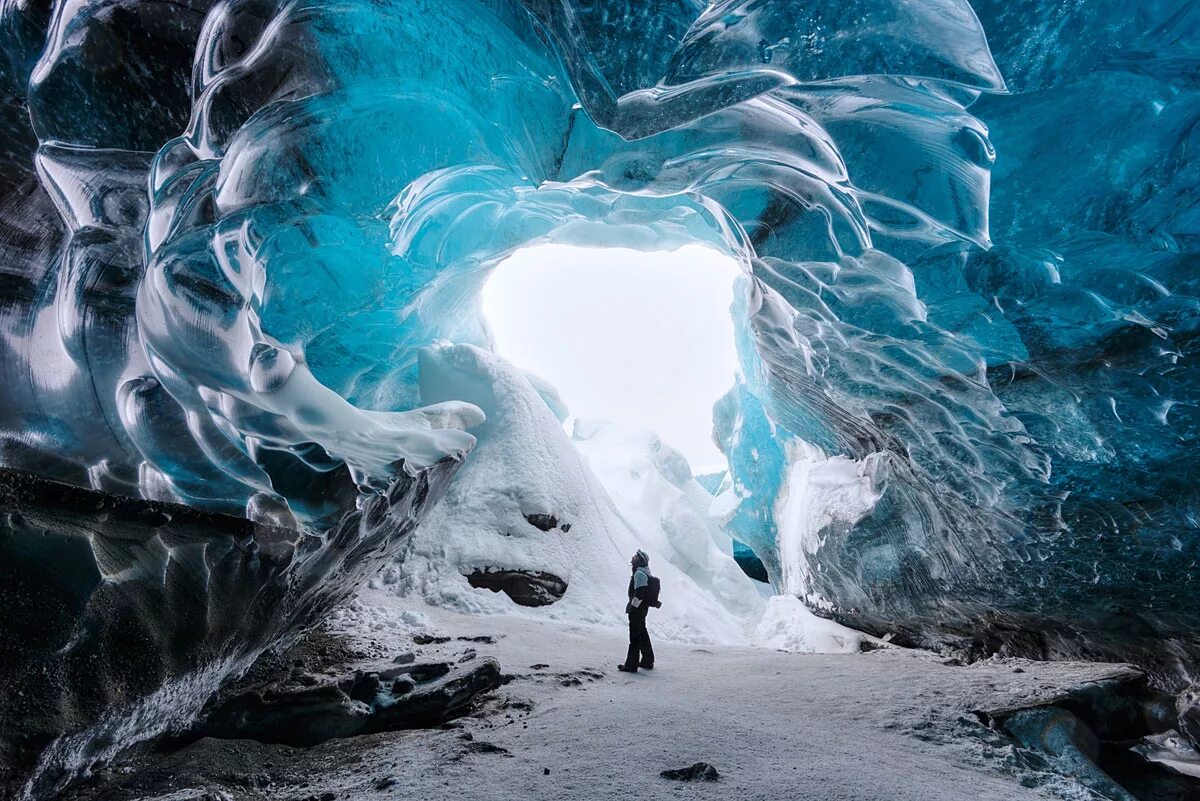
point(639, 640)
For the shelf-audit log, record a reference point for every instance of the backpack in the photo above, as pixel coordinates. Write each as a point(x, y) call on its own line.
point(652, 589)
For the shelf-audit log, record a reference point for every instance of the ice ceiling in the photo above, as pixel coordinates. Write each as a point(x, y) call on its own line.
point(230, 228)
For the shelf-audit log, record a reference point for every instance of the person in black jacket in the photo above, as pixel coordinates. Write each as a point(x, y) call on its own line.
point(637, 607)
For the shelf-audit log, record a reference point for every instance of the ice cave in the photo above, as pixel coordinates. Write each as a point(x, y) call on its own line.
point(381, 378)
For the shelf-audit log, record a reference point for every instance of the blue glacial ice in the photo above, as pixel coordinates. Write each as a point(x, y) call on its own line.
point(229, 230)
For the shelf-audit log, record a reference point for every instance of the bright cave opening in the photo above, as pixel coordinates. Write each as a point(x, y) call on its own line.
point(644, 339)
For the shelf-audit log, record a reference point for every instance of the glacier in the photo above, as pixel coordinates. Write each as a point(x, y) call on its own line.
point(236, 236)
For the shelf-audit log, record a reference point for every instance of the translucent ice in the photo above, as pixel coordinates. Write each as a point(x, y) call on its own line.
point(229, 228)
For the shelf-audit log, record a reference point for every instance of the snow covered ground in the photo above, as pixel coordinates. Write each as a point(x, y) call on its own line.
point(888, 725)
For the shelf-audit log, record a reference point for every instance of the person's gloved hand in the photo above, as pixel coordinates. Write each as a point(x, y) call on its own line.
point(658, 604)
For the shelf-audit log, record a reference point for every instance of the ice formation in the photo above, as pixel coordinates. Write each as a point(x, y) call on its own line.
point(230, 227)
point(121, 617)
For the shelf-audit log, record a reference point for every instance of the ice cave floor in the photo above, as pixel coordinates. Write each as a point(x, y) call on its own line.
point(888, 724)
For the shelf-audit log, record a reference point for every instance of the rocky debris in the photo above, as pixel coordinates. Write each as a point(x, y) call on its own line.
point(699, 772)
point(578, 677)
point(524, 587)
point(486, 639)
point(547, 523)
point(574, 678)
point(542, 522)
point(513, 703)
point(429, 639)
point(304, 709)
point(423, 673)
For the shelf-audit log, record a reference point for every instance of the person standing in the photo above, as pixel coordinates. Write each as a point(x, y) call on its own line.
point(643, 593)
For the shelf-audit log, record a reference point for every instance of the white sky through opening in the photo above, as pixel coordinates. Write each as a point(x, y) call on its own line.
point(644, 339)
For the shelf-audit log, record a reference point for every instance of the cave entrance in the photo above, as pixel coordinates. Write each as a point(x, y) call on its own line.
point(644, 339)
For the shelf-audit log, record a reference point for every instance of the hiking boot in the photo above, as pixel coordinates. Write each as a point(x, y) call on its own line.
point(647, 666)
point(625, 669)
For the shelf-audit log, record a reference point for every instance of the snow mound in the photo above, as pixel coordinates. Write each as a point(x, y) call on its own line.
point(527, 503)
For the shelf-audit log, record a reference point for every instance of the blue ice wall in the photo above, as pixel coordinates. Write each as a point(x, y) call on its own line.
point(969, 235)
